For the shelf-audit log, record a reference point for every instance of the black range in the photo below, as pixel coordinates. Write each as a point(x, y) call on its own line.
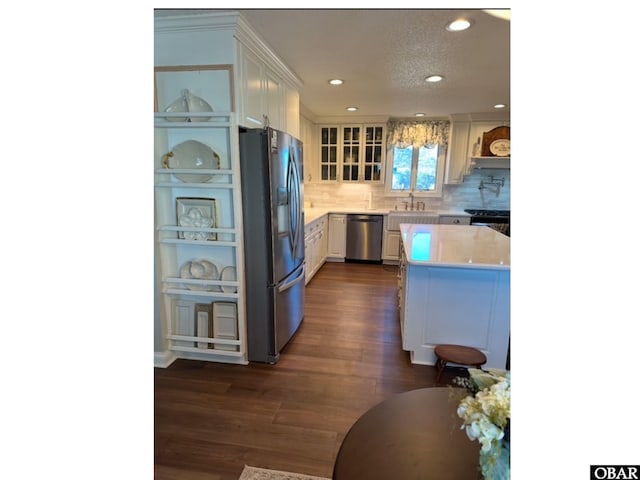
point(489, 216)
point(499, 220)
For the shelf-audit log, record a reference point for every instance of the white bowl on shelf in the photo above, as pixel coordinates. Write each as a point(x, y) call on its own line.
point(199, 269)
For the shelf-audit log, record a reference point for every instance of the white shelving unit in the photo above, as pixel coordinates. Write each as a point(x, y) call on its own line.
point(202, 316)
point(218, 57)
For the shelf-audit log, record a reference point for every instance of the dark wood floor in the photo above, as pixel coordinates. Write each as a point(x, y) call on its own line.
point(211, 419)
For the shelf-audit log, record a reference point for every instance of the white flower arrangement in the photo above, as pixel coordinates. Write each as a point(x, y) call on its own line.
point(486, 415)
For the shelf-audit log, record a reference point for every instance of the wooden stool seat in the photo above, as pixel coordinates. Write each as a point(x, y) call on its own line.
point(458, 354)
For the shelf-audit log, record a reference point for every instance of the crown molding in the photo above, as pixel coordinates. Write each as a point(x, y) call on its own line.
point(245, 34)
point(242, 31)
point(196, 21)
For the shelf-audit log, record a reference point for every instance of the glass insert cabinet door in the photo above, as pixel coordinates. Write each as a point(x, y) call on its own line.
point(351, 153)
point(329, 153)
point(373, 148)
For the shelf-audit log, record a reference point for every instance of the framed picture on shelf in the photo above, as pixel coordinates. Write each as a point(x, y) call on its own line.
point(196, 212)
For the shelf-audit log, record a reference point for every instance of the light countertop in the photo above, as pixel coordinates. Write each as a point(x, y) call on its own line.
point(313, 213)
point(461, 246)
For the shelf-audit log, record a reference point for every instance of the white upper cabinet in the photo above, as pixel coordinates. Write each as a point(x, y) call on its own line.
point(268, 89)
point(351, 153)
point(308, 135)
point(457, 159)
point(466, 132)
point(251, 84)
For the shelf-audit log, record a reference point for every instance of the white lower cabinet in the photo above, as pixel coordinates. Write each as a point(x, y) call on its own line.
point(391, 246)
point(315, 246)
point(337, 247)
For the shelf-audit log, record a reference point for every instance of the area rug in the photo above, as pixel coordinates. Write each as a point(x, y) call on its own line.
point(255, 473)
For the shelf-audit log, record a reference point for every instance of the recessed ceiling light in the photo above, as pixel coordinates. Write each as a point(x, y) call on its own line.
point(459, 25)
point(336, 81)
point(434, 78)
point(419, 114)
point(499, 105)
point(352, 109)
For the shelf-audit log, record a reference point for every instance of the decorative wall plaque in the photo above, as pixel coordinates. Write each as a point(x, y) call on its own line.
point(497, 142)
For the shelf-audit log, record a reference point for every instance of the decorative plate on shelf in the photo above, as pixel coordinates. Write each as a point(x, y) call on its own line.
point(228, 274)
point(192, 155)
point(196, 212)
point(199, 269)
point(500, 148)
point(188, 103)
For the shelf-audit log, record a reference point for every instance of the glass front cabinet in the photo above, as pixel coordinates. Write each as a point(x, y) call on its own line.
point(352, 153)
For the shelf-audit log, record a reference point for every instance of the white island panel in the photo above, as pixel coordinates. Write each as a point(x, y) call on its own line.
point(457, 291)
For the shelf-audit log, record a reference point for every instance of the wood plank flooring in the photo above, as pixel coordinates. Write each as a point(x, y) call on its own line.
point(211, 419)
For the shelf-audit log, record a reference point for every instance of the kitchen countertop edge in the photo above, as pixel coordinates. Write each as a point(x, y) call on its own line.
point(314, 213)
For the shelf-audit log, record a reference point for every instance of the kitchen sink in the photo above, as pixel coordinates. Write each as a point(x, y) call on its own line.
point(395, 218)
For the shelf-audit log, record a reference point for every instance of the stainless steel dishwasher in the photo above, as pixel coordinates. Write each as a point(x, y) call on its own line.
point(364, 238)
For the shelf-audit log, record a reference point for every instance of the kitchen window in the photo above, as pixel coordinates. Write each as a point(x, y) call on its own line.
point(416, 169)
point(416, 153)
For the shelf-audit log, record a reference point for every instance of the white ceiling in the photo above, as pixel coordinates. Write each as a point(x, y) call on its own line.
point(384, 56)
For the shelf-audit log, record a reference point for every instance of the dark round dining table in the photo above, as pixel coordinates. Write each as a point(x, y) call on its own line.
point(412, 435)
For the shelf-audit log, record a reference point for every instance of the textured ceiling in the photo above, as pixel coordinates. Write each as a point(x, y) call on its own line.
point(384, 55)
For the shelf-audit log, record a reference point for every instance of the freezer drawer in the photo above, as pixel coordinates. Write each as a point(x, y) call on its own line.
point(364, 237)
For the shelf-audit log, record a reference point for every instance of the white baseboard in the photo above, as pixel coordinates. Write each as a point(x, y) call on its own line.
point(163, 359)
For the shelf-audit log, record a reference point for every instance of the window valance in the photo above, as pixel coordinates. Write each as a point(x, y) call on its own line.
point(418, 133)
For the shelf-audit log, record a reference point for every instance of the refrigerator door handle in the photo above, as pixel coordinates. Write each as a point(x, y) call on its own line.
point(291, 283)
point(293, 187)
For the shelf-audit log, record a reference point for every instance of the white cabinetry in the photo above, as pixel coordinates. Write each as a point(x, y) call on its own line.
point(337, 247)
point(352, 153)
point(264, 96)
point(218, 57)
point(457, 158)
point(308, 135)
point(315, 243)
point(453, 302)
point(198, 221)
point(391, 246)
point(251, 98)
point(466, 129)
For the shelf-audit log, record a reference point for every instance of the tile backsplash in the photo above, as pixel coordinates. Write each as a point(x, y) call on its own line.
point(461, 196)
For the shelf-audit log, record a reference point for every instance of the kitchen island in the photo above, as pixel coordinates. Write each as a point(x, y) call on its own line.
point(454, 288)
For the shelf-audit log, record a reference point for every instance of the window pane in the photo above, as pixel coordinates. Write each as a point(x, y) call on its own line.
point(401, 175)
point(427, 168)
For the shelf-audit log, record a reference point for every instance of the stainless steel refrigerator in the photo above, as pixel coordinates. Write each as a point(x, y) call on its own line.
point(273, 220)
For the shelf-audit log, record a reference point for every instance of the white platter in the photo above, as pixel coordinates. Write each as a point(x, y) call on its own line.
point(199, 269)
point(192, 154)
point(228, 274)
point(188, 103)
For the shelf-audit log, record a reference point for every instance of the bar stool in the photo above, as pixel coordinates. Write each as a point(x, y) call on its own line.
point(458, 354)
